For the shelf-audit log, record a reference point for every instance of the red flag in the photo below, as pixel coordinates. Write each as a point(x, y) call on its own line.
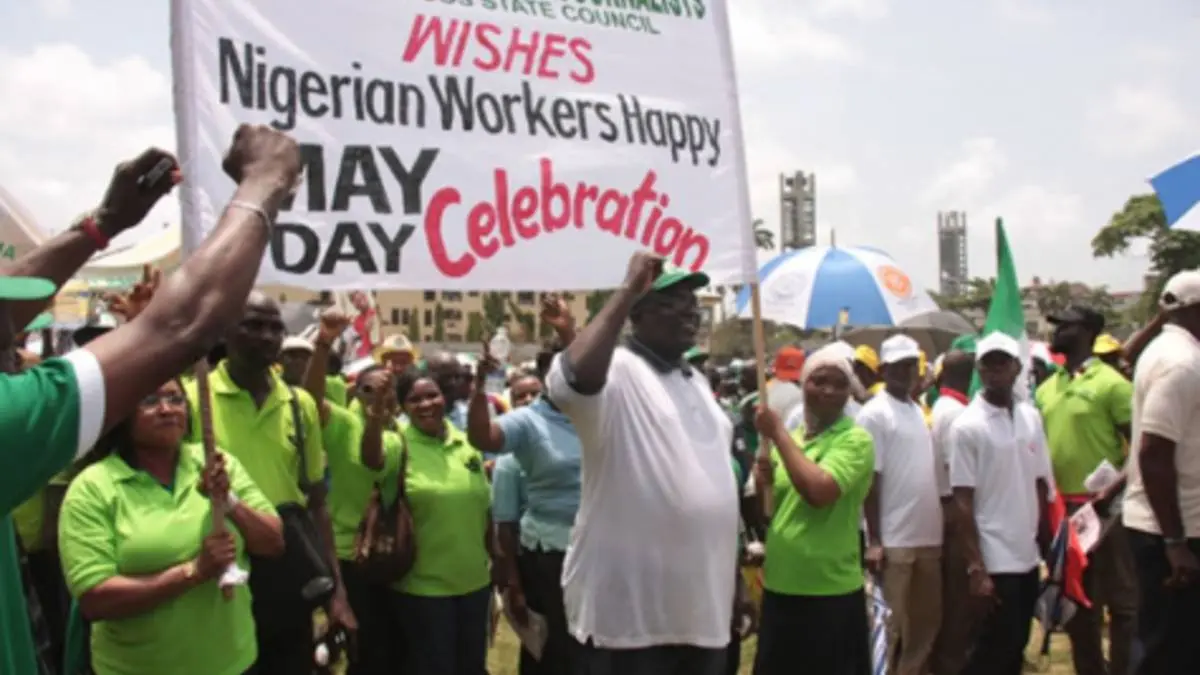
point(1076, 559)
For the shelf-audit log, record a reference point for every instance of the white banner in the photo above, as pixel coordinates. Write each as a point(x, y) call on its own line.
point(473, 144)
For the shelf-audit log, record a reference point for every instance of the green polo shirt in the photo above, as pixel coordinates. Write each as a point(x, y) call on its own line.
point(262, 437)
point(119, 521)
point(1081, 415)
point(350, 482)
point(449, 495)
point(31, 514)
point(815, 551)
point(335, 389)
point(49, 414)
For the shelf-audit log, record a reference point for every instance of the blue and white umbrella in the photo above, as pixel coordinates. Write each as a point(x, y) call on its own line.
point(810, 288)
point(1178, 189)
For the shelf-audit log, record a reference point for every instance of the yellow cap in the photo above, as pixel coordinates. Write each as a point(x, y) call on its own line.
point(867, 356)
point(396, 343)
point(1106, 344)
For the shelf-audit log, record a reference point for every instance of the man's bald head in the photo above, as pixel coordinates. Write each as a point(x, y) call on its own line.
point(259, 301)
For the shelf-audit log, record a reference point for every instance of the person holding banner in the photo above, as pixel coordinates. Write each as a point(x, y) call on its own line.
point(57, 410)
point(139, 555)
point(651, 573)
point(814, 612)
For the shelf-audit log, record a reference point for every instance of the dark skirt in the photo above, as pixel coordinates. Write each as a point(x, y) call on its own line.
point(813, 634)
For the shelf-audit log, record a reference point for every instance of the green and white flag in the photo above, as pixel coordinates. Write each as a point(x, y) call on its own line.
point(1006, 313)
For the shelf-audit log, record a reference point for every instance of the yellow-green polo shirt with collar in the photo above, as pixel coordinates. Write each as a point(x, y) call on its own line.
point(450, 497)
point(262, 438)
point(335, 389)
point(30, 516)
point(1081, 415)
point(350, 481)
point(119, 521)
point(816, 551)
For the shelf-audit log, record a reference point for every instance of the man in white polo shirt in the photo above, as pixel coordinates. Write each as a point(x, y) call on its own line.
point(650, 569)
point(1162, 499)
point(1000, 472)
point(904, 511)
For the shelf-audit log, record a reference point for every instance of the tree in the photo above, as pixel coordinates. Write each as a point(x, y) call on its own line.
point(976, 295)
point(495, 310)
point(414, 325)
point(526, 321)
point(1170, 251)
point(475, 330)
point(764, 238)
point(595, 302)
point(439, 324)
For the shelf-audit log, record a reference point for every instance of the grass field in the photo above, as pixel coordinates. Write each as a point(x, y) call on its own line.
point(503, 658)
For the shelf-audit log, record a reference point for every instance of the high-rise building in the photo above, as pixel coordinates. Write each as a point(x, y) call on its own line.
point(952, 252)
point(797, 210)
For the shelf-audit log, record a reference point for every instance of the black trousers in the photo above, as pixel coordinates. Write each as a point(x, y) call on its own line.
point(284, 633)
point(827, 635)
point(658, 660)
point(1167, 617)
point(541, 580)
point(45, 572)
point(1003, 633)
point(379, 647)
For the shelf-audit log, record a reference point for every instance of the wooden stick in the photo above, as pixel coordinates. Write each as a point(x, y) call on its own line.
point(766, 497)
point(219, 506)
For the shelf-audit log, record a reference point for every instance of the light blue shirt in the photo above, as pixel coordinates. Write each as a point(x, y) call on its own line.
point(508, 491)
point(546, 447)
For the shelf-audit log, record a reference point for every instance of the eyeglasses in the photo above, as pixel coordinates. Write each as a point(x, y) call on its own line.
point(154, 400)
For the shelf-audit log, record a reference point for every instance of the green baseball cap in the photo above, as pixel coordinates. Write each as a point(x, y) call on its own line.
point(964, 343)
point(673, 276)
point(696, 352)
point(25, 288)
point(40, 322)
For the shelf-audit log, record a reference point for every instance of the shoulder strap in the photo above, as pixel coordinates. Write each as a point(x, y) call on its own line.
point(298, 439)
point(402, 477)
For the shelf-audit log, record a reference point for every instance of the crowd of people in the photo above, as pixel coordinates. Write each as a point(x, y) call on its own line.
point(193, 491)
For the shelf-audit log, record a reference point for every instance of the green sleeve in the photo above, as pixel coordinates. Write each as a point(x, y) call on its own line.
point(850, 460)
point(86, 535)
point(41, 413)
point(245, 488)
point(314, 446)
point(1120, 399)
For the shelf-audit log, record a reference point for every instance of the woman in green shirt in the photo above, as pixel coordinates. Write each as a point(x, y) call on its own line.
point(814, 613)
point(443, 603)
point(139, 555)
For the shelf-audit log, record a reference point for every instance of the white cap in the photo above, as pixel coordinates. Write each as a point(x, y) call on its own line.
point(294, 343)
point(898, 348)
point(1181, 290)
point(998, 342)
point(842, 348)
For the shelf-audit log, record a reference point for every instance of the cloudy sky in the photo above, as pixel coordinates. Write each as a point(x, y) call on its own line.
point(1049, 114)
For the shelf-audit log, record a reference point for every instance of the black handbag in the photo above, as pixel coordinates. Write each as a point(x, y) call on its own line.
point(300, 580)
point(385, 546)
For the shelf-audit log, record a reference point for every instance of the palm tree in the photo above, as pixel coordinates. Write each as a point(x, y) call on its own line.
point(764, 238)
point(495, 310)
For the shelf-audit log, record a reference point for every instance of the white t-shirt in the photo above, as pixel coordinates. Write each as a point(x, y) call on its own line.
point(1002, 457)
point(1166, 402)
point(653, 553)
point(945, 410)
point(910, 508)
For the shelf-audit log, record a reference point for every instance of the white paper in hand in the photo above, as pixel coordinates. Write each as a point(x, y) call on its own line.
point(1104, 476)
point(532, 633)
point(233, 576)
point(1087, 527)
